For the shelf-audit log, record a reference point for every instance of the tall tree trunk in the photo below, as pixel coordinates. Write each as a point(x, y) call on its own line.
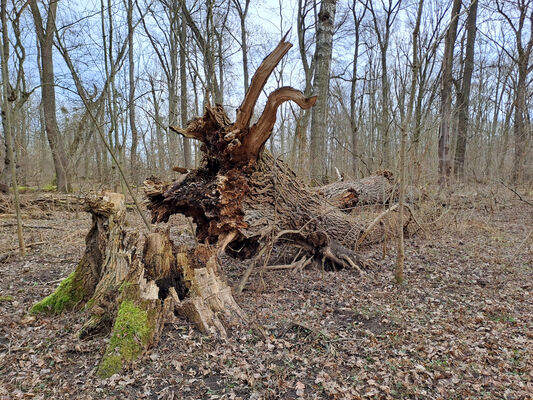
point(183, 91)
point(398, 274)
point(134, 172)
point(319, 117)
point(6, 119)
point(463, 95)
point(446, 96)
point(45, 35)
point(353, 107)
point(243, 12)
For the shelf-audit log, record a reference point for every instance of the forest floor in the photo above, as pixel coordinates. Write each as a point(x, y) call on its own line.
point(460, 328)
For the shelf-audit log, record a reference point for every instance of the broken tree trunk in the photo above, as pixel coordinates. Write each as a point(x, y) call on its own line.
point(243, 199)
point(130, 285)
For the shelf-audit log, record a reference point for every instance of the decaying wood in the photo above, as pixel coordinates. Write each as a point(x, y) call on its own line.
point(243, 202)
point(129, 285)
point(241, 197)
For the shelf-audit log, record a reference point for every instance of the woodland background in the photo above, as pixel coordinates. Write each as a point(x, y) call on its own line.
point(127, 69)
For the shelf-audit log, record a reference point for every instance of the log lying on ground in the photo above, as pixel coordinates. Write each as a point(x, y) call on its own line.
point(129, 285)
point(374, 189)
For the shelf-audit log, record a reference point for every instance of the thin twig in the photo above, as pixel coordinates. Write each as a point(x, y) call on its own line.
point(518, 194)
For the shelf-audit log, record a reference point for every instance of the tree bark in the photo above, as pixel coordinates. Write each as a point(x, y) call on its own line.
point(7, 123)
point(463, 95)
point(241, 196)
point(131, 71)
point(242, 201)
point(374, 189)
point(184, 103)
point(446, 96)
point(45, 35)
point(319, 117)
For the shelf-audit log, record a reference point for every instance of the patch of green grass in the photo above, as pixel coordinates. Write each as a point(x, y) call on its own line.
point(6, 297)
point(23, 189)
point(49, 188)
point(501, 317)
point(131, 334)
point(68, 294)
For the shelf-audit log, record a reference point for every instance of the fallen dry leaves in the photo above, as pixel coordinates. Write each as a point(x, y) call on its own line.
point(461, 328)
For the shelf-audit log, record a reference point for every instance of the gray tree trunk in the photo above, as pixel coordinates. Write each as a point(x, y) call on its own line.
point(463, 95)
point(323, 50)
point(183, 92)
point(446, 96)
point(133, 127)
point(45, 37)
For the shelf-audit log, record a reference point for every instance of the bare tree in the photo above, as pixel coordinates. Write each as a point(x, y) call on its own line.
point(242, 11)
point(522, 59)
point(357, 18)
point(6, 117)
point(323, 51)
point(183, 91)
point(399, 275)
point(302, 120)
point(45, 36)
point(383, 30)
point(131, 105)
point(446, 95)
point(463, 93)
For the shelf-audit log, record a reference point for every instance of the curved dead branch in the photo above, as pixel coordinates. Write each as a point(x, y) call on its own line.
point(246, 109)
point(260, 131)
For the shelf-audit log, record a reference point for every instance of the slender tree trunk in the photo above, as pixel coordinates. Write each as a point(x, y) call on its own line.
point(446, 96)
point(183, 91)
point(519, 130)
point(6, 114)
point(463, 95)
point(353, 107)
point(243, 12)
point(323, 51)
point(398, 274)
point(133, 127)
point(173, 79)
point(46, 41)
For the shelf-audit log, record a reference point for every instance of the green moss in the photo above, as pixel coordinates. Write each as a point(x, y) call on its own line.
point(132, 333)
point(7, 297)
point(124, 286)
point(110, 365)
point(68, 294)
point(23, 189)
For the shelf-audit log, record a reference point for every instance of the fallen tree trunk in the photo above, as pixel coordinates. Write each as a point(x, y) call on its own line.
point(374, 189)
point(242, 198)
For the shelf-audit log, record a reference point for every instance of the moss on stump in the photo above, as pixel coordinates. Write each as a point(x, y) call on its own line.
point(132, 333)
point(68, 294)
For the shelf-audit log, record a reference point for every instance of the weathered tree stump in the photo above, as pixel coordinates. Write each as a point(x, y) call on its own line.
point(130, 284)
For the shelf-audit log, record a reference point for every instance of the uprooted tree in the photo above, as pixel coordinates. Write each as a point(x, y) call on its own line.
point(242, 200)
